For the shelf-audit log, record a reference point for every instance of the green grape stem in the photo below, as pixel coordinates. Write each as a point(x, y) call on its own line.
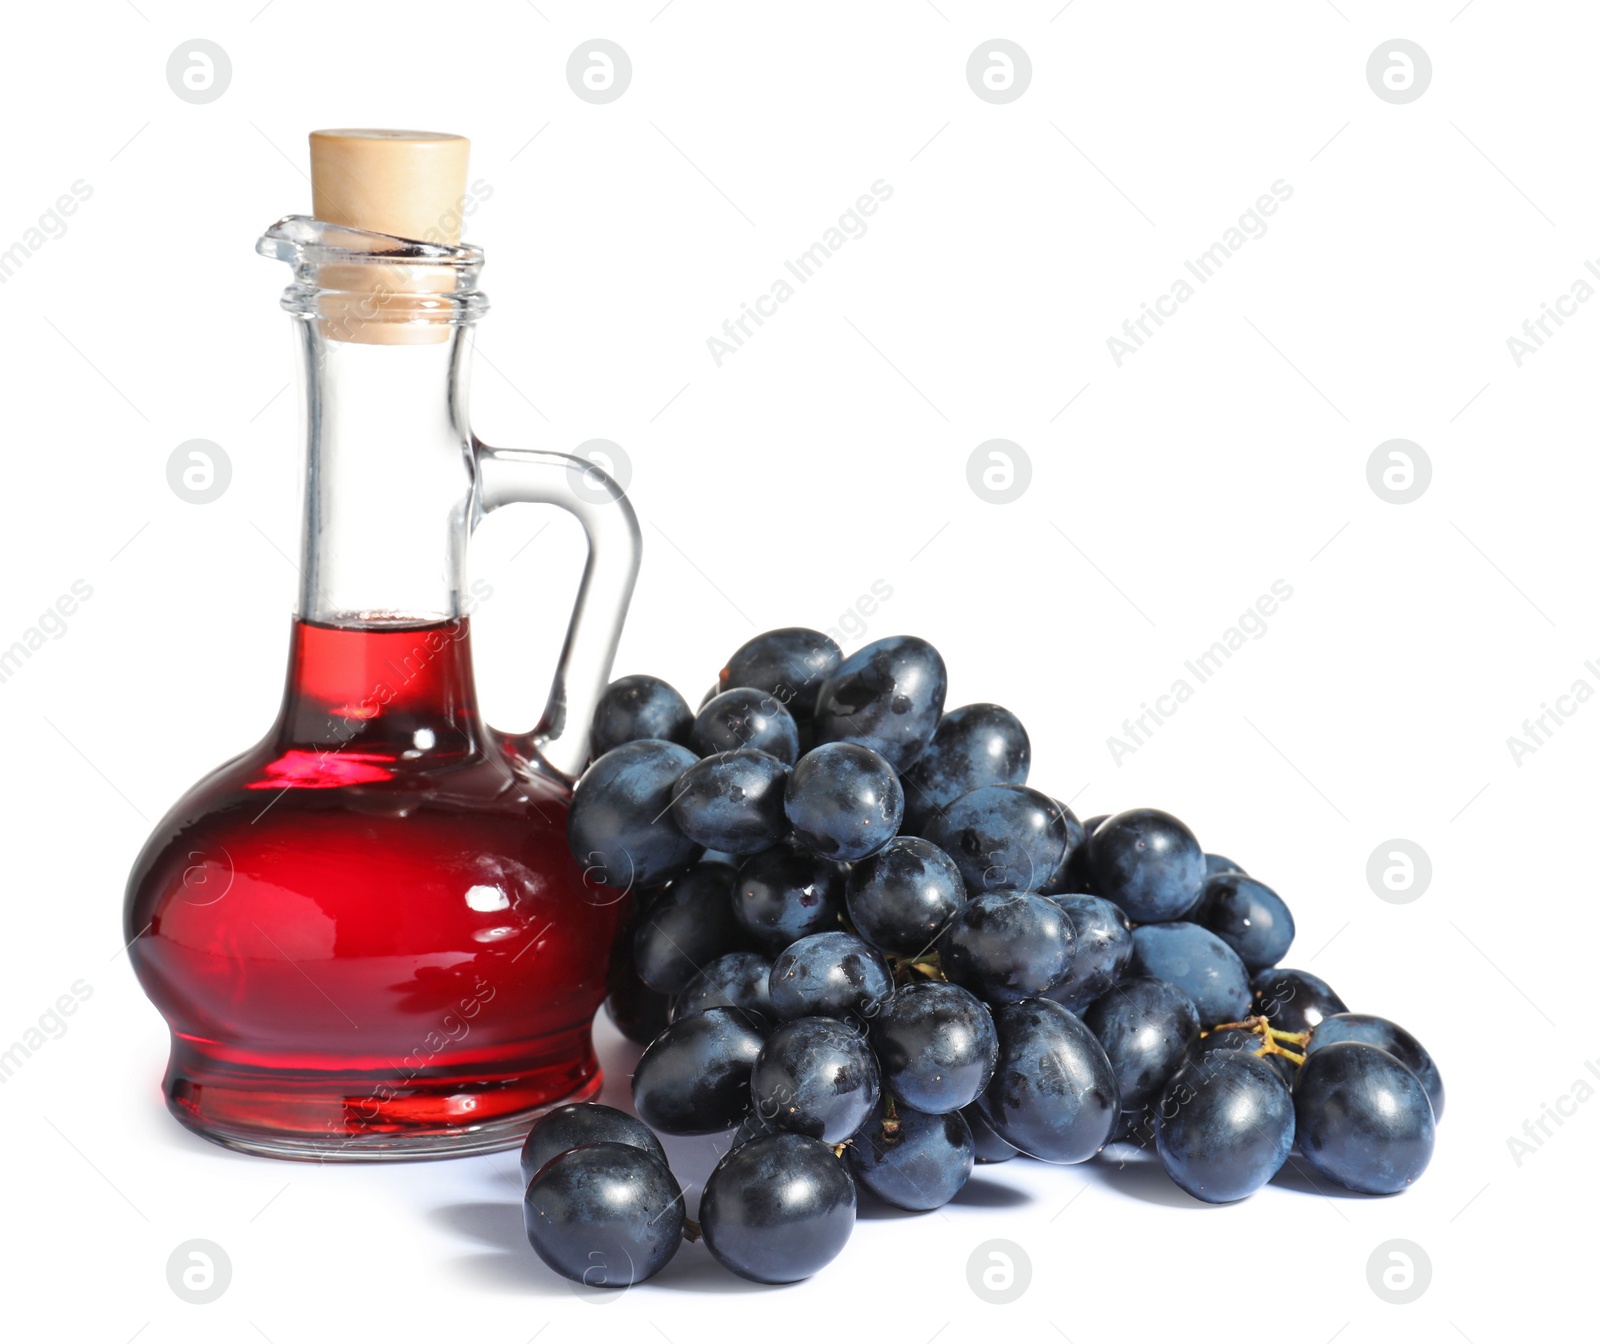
point(1272, 1039)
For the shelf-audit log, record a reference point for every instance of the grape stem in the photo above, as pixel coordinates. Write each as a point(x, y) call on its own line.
point(923, 966)
point(891, 1120)
point(1272, 1039)
point(691, 1230)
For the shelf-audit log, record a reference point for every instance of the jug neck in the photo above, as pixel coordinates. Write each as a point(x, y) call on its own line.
point(380, 666)
point(389, 479)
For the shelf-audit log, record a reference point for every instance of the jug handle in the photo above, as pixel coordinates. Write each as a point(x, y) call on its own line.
point(560, 740)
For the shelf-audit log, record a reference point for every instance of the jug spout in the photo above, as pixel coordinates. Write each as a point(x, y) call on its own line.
point(375, 288)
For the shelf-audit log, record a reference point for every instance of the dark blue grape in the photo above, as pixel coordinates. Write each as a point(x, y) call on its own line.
point(900, 897)
point(1362, 1118)
point(987, 1146)
point(1224, 1130)
point(937, 1046)
point(1093, 824)
point(844, 801)
point(911, 1160)
point(694, 1078)
point(745, 718)
point(638, 1011)
point(639, 707)
point(1053, 1094)
point(1063, 881)
point(829, 975)
point(972, 746)
point(1386, 1035)
point(1249, 916)
point(887, 696)
point(688, 925)
point(1149, 863)
point(1249, 1042)
point(785, 893)
point(1215, 864)
point(606, 1215)
point(1007, 945)
point(620, 827)
point(733, 980)
point(1005, 837)
point(733, 802)
point(1294, 1000)
point(777, 1209)
point(1149, 1029)
point(567, 1127)
point(1103, 948)
point(1197, 962)
point(815, 1077)
point(790, 665)
point(1074, 877)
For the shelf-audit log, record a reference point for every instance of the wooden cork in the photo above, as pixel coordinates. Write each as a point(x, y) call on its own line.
point(407, 183)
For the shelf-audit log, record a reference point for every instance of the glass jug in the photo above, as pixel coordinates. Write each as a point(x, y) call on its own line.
point(366, 933)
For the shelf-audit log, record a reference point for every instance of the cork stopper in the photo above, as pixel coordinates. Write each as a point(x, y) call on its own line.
point(407, 183)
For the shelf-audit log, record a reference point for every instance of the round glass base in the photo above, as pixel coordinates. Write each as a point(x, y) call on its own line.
point(318, 1116)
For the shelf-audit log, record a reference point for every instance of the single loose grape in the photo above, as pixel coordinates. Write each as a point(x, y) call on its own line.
point(606, 1215)
point(778, 1208)
point(567, 1127)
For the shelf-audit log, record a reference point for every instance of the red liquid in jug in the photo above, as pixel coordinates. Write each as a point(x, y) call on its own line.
point(367, 933)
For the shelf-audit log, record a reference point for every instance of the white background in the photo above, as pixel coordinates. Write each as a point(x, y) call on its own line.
point(830, 453)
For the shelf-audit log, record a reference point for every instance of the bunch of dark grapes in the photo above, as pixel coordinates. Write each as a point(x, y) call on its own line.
point(864, 949)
